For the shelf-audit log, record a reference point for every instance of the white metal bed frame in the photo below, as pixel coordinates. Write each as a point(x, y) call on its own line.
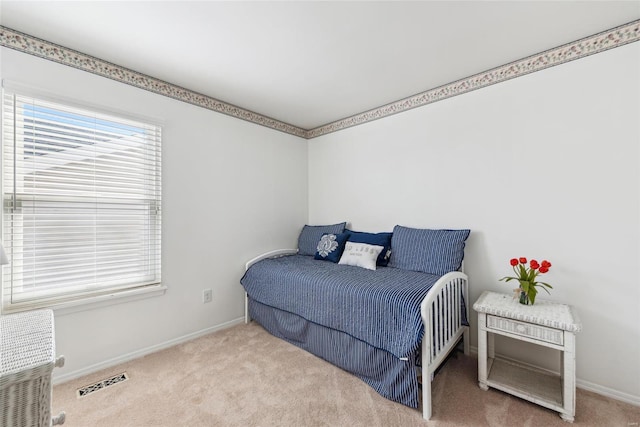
point(441, 304)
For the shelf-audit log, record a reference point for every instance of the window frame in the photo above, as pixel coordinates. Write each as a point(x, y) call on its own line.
point(105, 295)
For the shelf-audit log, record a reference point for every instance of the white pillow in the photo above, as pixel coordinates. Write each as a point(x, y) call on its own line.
point(360, 255)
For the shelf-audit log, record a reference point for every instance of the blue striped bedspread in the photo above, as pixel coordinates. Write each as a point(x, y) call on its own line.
point(381, 307)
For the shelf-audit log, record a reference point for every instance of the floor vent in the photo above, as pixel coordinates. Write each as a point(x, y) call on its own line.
point(88, 389)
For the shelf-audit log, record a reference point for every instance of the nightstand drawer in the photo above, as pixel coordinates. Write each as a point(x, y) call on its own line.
point(541, 333)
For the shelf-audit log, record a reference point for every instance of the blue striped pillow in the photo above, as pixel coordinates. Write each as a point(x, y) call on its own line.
point(311, 235)
point(431, 251)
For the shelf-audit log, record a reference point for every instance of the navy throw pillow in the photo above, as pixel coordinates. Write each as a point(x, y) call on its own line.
point(377, 239)
point(331, 246)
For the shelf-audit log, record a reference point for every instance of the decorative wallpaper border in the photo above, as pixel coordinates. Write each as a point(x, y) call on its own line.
point(600, 42)
point(53, 52)
point(615, 37)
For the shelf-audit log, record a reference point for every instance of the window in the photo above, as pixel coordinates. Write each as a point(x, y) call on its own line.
point(81, 203)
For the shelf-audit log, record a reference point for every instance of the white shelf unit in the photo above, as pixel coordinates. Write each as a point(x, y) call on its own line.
point(27, 358)
point(547, 324)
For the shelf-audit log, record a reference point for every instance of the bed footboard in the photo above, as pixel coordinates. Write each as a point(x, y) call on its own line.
point(271, 254)
point(442, 314)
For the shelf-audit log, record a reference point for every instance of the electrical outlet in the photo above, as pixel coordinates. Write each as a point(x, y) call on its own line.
point(207, 295)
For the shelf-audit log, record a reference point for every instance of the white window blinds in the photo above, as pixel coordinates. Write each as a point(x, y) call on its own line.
point(81, 203)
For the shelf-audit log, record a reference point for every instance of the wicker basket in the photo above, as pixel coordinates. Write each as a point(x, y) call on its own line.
point(27, 358)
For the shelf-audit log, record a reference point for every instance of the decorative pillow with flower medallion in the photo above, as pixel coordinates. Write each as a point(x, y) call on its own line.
point(331, 246)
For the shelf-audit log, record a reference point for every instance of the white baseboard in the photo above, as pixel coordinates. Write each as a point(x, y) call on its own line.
point(608, 392)
point(59, 379)
point(582, 384)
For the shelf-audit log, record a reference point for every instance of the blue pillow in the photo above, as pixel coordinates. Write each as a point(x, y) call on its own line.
point(331, 246)
point(431, 251)
point(377, 239)
point(311, 234)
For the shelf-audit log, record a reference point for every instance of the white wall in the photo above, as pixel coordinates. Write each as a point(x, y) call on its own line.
point(231, 190)
point(543, 166)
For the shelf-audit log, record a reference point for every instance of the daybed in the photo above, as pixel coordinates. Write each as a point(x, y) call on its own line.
point(367, 318)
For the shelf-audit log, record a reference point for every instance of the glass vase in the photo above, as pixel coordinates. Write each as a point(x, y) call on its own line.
point(524, 298)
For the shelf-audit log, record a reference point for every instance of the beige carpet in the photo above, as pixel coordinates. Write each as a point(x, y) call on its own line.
point(242, 376)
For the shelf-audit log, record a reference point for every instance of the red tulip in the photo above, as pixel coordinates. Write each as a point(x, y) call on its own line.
point(524, 273)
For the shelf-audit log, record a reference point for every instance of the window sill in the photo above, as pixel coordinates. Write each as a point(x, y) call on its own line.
point(91, 303)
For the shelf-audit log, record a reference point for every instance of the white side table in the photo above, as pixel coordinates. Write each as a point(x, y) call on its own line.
point(27, 358)
point(544, 323)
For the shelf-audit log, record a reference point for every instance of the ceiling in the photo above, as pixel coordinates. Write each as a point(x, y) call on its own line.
point(311, 63)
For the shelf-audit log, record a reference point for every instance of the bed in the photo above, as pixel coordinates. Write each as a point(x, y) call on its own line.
point(370, 322)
